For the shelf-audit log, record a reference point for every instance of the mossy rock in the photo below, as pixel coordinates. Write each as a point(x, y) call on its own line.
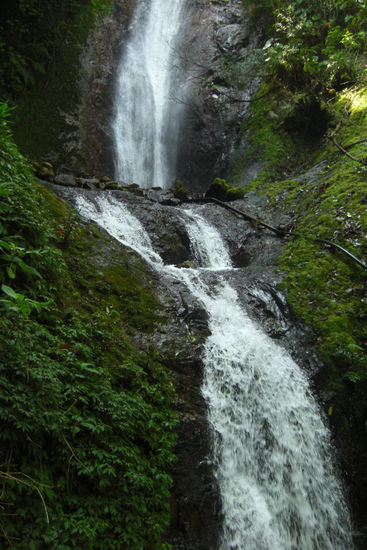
point(179, 191)
point(223, 191)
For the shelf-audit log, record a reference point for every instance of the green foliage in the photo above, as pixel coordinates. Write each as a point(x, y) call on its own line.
point(31, 33)
point(86, 420)
point(22, 230)
point(179, 190)
point(40, 46)
point(317, 45)
point(93, 437)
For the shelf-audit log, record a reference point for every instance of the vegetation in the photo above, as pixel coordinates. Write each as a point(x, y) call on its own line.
point(307, 132)
point(86, 438)
point(298, 123)
point(40, 45)
point(317, 46)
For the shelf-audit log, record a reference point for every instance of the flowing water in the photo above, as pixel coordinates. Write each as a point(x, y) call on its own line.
point(272, 454)
point(271, 449)
point(146, 124)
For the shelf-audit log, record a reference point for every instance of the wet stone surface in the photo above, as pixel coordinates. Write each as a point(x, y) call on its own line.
point(180, 337)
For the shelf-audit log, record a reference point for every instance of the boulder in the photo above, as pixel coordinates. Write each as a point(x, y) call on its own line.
point(89, 183)
point(65, 179)
point(44, 170)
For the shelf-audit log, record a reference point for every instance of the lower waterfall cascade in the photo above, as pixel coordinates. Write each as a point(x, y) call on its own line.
point(272, 455)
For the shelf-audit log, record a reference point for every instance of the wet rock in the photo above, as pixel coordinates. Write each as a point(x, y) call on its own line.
point(112, 185)
point(215, 103)
point(44, 170)
point(188, 264)
point(65, 179)
point(90, 183)
point(232, 37)
point(170, 201)
point(155, 194)
point(137, 191)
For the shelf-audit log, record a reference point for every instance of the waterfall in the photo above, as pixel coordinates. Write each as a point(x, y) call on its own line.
point(271, 449)
point(146, 120)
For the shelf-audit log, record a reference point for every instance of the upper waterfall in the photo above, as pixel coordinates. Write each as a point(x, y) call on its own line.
point(146, 122)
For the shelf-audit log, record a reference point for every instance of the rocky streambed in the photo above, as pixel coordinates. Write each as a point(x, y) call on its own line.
point(180, 337)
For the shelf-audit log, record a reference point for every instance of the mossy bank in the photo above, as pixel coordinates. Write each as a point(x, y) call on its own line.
point(87, 421)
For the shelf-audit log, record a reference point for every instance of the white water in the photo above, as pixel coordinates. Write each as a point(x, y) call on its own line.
point(272, 454)
point(146, 123)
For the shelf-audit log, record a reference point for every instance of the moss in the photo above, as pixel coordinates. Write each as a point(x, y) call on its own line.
point(268, 142)
point(100, 276)
point(223, 191)
point(57, 209)
point(179, 191)
point(40, 125)
point(325, 289)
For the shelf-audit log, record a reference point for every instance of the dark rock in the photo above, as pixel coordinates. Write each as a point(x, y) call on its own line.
point(188, 264)
point(44, 170)
point(65, 179)
point(89, 183)
point(216, 103)
point(154, 194)
point(170, 201)
point(137, 191)
point(232, 37)
point(111, 185)
point(223, 191)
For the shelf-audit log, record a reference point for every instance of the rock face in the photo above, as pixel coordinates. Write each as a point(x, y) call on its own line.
point(218, 36)
point(98, 63)
point(214, 100)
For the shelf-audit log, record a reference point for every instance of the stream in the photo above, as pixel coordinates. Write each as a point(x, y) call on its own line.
point(272, 455)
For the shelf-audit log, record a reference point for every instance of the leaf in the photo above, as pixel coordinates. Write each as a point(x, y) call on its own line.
point(26, 268)
point(10, 292)
point(5, 189)
point(11, 271)
point(5, 245)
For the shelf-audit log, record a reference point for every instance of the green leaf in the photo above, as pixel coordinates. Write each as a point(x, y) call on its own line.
point(5, 189)
point(27, 268)
point(10, 292)
point(5, 245)
point(11, 271)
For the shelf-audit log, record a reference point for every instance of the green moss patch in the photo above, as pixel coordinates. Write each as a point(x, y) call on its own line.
point(223, 191)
